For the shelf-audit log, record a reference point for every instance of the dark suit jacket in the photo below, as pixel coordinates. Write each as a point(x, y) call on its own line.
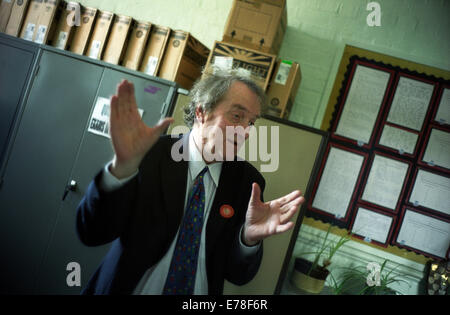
point(143, 216)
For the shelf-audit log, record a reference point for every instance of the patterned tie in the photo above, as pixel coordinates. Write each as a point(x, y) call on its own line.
point(181, 275)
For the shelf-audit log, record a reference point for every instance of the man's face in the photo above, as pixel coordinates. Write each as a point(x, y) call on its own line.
point(240, 107)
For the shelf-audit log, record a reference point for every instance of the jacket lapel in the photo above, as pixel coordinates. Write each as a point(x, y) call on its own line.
point(225, 192)
point(174, 178)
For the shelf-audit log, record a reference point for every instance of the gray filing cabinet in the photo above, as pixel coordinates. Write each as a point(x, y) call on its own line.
point(17, 61)
point(52, 148)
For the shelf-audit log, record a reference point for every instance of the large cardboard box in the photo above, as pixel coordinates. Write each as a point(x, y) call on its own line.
point(283, 88)
point(184, 59)
point(17, 16)
point(100, 34)
point(38, 21)
point(5, 12)
point(82, 33)
point(136, 45)
point(257, 65)
point(115, 47)
point(154, 52)
point(257, 24)
point(64, 24)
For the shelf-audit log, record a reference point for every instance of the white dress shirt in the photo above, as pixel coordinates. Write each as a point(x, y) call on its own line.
point(154, 278)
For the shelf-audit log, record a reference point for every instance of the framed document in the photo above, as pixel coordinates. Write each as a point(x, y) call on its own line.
point(399, 140)
point(385, 182)
point(360, 106)
point(436, 152)
point(410, 102)
point(372, 225)
point(338, 179)
point(423, 233)
point(442, 115)
point(430, 191)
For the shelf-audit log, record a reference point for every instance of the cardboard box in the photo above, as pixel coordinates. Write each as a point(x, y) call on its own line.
point(100, 34)
point(38, 21)
point(183, 60)
point(17, 16)
point(82, 32)
point(283, 88)
point(136, 45)
point(154, 52)
point(5, 12)
point(257, 65)
point(117, 39)
point(257, 24)
point(60, 36)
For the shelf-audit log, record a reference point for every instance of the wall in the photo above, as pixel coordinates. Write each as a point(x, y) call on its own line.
point(417, 30)
point(318, 30)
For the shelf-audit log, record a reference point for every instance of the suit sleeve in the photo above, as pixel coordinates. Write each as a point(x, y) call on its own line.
point(103, 215)
point(241, 267)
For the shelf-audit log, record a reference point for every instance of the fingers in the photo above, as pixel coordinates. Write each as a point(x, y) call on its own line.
point(163, 124)
point(125, 94)
point(289, 197)
point(284, 227)
point(114, 101)
point(256, 193)
point(290, 210)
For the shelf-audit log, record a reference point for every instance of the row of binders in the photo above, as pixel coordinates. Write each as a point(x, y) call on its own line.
point(156, 50)
point(251, 40)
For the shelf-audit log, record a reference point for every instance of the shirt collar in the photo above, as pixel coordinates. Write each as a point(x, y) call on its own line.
point(197, 164)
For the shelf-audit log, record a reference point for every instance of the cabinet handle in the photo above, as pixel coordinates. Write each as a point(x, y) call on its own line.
point(71, 186)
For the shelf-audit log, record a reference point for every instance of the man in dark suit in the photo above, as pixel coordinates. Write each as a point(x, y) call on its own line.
point(182, 226)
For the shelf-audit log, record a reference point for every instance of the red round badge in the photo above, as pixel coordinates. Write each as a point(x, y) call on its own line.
point(226, 211)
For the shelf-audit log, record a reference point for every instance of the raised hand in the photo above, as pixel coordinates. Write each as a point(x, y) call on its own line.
point(131, 137)
point(264, 219)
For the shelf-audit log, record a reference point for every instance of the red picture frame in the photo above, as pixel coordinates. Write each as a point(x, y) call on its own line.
point(319, 178)
point(343, 100)
point(366, 177)
point(424, 148)
point(392, 95)
point(418, 206)
point(433, 121)
point(416, 250)
point(391, 228)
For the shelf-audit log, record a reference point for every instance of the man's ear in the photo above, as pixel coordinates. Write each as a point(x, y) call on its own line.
point(199, 114)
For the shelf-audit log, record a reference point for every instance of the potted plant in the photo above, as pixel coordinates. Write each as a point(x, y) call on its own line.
point(360, 281)
point(310, 276)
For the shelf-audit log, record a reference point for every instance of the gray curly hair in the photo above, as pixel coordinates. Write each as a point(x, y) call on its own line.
point(208, 91)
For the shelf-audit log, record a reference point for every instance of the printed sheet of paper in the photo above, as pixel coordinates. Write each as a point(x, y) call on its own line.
point(438, 149)
point(99, 122)
point(443, 112)
point(424, 233)
point(410, 104)
point(363, 104)
point(372, 225)
point(337, 182)
point(385, 182)
point(398, 139)
point(431, 191)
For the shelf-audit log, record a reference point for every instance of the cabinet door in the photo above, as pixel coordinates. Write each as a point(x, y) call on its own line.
point(95, 151)
point(16, 63)
point(41, 160)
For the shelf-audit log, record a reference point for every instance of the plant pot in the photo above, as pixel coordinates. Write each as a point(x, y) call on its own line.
point(312, 282)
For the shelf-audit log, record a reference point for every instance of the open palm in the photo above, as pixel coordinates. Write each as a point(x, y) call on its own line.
point(264, 219)
point(131, 137)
